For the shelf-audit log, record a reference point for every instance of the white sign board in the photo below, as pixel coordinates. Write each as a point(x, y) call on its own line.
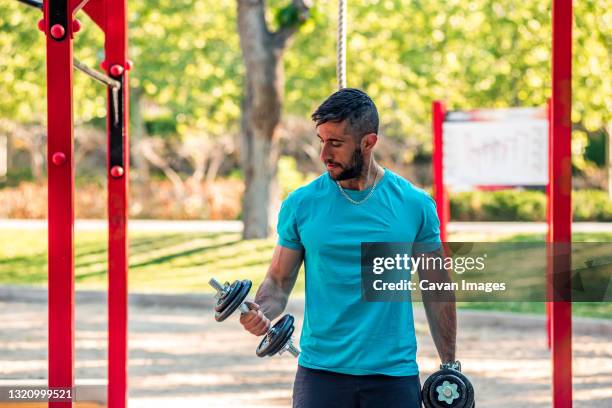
point(507, 147)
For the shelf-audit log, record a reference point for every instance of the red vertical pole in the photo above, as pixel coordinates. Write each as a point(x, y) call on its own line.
point(549, 225)
point(440, 192)
point(60, 149)
point(561, 190)
point(118, 175)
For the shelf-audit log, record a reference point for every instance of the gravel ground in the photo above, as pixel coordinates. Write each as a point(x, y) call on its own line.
point(180, 355)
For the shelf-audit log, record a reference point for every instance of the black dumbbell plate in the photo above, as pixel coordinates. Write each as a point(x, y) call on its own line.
point(276, 337)
point(464, 388)
point(236, 295)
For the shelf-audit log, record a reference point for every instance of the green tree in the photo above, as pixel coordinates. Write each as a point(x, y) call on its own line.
point(189, 73)
point(262, 50)
point(481, 53)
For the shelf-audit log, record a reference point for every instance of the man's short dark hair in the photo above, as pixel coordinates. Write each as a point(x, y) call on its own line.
point(352, 105)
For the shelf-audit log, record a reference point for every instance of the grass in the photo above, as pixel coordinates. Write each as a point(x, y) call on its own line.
point(164, 262)
point(159, 262)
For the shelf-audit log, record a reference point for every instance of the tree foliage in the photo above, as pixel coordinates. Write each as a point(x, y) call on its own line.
point(481, 53)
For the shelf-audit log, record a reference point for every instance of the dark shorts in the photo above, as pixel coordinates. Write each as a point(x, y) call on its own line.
point(326, 389)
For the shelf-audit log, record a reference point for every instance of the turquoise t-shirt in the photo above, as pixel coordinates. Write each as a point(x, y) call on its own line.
point(340, 332)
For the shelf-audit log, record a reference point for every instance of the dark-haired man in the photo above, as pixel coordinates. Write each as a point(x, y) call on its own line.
point(354, 353)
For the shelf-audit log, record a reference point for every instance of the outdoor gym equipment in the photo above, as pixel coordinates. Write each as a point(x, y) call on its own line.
point(448, 388)
point(60, 25)
point(231, 297)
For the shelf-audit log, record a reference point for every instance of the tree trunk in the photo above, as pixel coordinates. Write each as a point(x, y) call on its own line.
point(261, 110)
point(259, 163)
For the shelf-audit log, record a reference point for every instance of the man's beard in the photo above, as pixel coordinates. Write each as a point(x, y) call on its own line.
point(354, 169)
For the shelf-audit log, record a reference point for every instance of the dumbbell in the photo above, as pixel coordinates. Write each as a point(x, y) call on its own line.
point(231, 297)
point(279, 339)
point(448, 388)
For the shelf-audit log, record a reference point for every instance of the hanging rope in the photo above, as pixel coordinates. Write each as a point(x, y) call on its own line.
point(341, 45)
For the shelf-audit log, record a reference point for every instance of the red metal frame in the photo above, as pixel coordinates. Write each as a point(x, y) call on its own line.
point(116, 62)
point(440, 192)
point(549, 254)
point(561, 193)
point(110, 16)
point(60, 153)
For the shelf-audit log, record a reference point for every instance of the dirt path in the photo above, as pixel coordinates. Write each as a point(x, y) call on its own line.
point(179, 356)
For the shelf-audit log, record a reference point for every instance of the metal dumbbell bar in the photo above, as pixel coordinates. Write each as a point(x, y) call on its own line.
point(231, 297)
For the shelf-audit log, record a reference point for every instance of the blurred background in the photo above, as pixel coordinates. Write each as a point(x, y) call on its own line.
point(189, 166)
point(187, 89)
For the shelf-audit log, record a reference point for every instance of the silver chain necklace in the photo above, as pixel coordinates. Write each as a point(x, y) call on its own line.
point(366, 197)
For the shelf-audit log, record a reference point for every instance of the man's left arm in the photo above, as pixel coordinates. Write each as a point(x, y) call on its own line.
point(440, 309)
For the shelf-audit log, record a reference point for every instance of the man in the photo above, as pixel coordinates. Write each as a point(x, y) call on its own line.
point(354, 353)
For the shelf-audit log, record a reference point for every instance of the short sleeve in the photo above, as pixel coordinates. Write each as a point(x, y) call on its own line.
point(287, 228)
point(429, 232)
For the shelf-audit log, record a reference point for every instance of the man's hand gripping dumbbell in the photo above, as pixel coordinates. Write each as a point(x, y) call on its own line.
point(231, 297)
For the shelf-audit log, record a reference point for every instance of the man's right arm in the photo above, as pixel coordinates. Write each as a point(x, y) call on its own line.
point(273, 294)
